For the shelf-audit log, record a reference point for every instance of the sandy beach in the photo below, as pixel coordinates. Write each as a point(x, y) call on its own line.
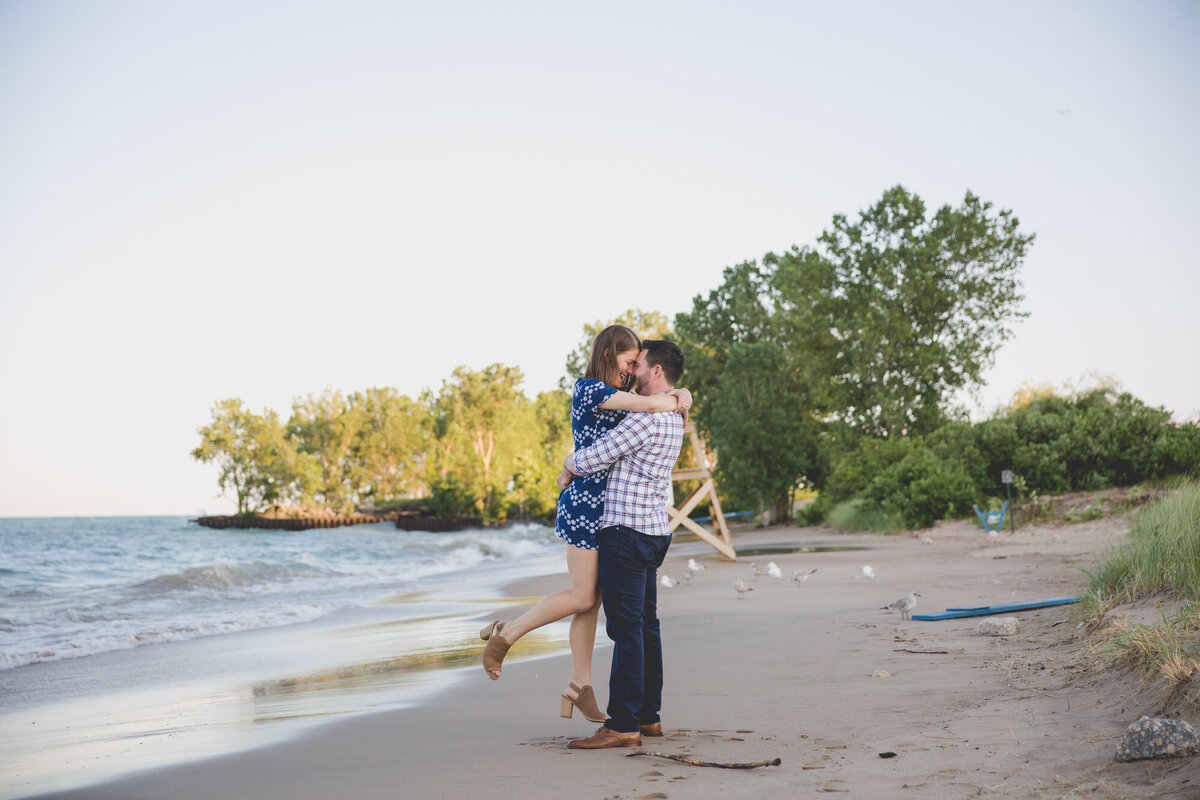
point(789, 672)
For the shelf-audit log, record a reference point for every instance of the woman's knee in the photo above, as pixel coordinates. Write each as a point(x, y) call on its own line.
point(585, 602)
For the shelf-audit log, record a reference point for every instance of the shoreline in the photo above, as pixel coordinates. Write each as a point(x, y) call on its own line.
point(75, 722)
point(785, 672)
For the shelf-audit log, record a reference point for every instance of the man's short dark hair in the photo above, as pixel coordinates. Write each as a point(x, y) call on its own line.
point(661, 353)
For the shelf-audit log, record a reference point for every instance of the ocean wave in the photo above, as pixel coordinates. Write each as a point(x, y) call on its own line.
point(53, 645)
point(164, 583)
point(224, 574)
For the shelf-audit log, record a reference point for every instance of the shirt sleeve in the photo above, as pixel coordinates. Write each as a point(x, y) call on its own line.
point(590, 394)
point(629, 436)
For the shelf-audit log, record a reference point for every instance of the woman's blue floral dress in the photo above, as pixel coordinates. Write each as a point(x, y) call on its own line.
point(577, 520)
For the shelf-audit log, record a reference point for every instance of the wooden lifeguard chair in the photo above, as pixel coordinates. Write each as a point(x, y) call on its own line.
point(708, 488)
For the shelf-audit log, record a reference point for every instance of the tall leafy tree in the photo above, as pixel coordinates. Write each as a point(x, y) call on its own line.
point(738, 312)
point(327, 427)
point(898, 309)
point(758, 425)
point(483, 425)
point(879, 323)
point(256, 463)
point(388, 453)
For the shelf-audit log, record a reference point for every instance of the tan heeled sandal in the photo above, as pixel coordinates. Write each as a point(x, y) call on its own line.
point(495, 651)
point(585, 701)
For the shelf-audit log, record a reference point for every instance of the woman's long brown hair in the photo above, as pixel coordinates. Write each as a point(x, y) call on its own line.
point(602, 365)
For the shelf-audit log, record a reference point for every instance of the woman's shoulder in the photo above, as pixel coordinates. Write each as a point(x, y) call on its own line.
point(592, 387)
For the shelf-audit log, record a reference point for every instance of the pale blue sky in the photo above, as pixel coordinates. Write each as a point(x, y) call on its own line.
point(211, 199)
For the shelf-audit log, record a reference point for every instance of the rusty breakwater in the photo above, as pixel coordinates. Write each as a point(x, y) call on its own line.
point(407, 522)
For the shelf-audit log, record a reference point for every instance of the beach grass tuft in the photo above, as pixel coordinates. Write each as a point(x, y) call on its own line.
point(1161, 559)
point(1161, 556)
point(1169, 649)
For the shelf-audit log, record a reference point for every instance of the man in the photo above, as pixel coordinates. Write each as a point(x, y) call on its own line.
point(639, 454)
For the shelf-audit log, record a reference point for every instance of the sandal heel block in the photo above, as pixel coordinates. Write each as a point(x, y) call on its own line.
point(585, 701)
point(565, 707)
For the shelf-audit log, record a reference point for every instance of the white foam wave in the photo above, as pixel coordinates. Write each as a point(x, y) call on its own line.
point(52, 645)
point(225, 574)
point(210, 585)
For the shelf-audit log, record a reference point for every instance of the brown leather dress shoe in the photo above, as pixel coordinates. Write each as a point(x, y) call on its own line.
point(653, 729)
point(606, 737)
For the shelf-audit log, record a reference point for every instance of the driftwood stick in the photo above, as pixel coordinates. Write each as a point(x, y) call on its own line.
point(923, 652)
point(775, 762)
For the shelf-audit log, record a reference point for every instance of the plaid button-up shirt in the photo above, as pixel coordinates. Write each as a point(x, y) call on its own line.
point(640, 454)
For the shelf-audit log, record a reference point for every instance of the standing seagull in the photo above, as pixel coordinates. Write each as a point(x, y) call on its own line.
point(695, 566)
point(741, 587)
point(668, 582)
point(904, 605)
point(773, 570)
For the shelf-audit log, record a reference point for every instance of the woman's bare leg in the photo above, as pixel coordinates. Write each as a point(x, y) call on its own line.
point(583, 641)
point(581, 597)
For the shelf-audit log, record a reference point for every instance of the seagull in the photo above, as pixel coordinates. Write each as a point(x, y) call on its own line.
point(693, 566)
point(799, 577)
point(773, 570)
point(741, 587)
point(904, 605)
point(868, 571)
point(668, 582)
point(754, 569)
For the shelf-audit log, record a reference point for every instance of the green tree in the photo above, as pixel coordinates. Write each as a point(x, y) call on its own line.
point(387, 460)
point(485, 434)
point(646, 324)
point(759, 428)
point(738, 312)
point(328, 428)
point(257, 465)
point(897, 310)
point(536, 493)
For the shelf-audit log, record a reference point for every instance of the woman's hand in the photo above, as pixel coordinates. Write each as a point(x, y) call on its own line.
point(683, 400)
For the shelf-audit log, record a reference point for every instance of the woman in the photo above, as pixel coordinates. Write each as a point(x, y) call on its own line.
point(597, 405)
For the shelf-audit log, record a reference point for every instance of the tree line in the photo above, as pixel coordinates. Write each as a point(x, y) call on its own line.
point(477, 447)
point(835, 367)
point(817, 367)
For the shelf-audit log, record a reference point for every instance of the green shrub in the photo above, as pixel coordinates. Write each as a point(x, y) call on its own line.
point(923, 488)
point(1053, 445)
point(860, 515)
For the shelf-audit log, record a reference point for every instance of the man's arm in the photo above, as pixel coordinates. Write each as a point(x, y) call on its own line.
point(630, 435)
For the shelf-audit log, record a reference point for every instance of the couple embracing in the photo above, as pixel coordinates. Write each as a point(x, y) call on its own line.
point(612, 515)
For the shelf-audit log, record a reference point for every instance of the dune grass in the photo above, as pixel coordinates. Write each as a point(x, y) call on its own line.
point(1162, 560)
point(1170, 649)
point(1161, 556)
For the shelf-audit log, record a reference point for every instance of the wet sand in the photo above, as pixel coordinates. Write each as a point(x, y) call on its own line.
point(786, 672)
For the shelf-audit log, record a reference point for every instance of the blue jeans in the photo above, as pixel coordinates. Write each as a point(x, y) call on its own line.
point(629, 563)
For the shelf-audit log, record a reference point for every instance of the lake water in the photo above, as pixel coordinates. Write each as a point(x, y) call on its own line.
point(131, 642)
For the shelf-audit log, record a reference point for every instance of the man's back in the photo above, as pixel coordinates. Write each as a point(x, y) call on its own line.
point(642, 450)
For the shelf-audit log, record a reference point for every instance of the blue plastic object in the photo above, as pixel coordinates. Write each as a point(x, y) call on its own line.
point(992, 521)
point(727, 516)
point(984, 611)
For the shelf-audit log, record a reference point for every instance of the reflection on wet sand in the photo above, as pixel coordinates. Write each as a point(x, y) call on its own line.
point(320, 672)
point(384, 674)
point(775, 550)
